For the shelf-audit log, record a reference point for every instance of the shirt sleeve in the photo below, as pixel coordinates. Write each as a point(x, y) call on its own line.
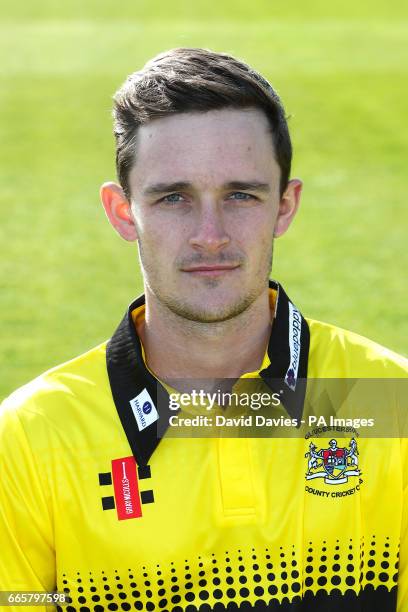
point(27, 559)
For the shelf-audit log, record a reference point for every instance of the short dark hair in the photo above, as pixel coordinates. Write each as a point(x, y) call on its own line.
point(194, 80)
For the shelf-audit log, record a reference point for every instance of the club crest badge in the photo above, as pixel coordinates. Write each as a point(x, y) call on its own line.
point(335, 464)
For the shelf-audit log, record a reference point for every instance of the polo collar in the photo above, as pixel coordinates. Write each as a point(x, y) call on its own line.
point(288, 352)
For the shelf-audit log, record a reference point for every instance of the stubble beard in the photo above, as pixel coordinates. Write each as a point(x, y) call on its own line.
point(199, 314)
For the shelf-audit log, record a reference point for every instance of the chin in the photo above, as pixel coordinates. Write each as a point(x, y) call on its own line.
point(209, 313)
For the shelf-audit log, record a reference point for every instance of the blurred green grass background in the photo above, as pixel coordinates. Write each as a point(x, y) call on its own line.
point(341, 69)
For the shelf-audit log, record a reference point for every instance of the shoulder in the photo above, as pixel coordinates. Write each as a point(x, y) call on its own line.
point(57, 394)
point(336, 352)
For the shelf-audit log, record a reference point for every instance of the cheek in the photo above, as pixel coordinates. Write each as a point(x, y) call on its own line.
point(161, 241)
point(255, 235)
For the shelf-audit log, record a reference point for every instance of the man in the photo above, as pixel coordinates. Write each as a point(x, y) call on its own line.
point(97, 499)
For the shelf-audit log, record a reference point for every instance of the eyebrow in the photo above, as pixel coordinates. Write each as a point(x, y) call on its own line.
point(159, 188)
point(248, 186)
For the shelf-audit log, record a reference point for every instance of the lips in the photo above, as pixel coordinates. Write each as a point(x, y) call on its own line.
point(210, 270)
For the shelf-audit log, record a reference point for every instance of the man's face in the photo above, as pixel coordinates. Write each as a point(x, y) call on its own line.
point(205, 199)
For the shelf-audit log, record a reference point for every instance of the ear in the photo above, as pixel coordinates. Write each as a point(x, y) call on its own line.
point(288, 206)
point(118, 210)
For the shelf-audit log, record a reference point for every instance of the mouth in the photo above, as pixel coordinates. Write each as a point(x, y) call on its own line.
point(213, 270)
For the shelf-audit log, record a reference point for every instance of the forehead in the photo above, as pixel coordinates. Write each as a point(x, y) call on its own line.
point(200, 147)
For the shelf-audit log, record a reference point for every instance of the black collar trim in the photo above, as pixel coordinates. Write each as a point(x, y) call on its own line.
point(288, 350)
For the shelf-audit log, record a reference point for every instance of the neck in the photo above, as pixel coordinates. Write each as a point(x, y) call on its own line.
point(179, 348)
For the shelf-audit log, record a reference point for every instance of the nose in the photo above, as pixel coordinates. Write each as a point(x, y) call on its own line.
point(210, 234)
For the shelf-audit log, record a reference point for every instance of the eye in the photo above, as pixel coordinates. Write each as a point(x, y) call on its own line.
point(240, 195)
point(172, 198)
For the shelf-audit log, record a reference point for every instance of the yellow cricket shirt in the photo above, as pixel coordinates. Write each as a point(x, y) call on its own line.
point(93, 503)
